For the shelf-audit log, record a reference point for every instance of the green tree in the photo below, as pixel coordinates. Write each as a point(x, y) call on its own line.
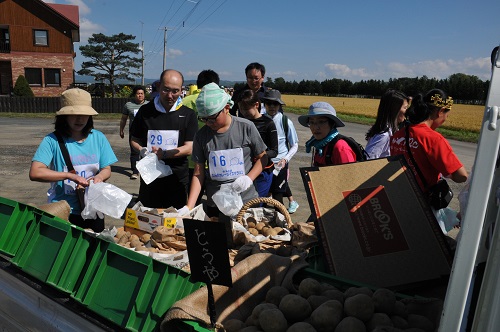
point(22, 88)
point(110, 58)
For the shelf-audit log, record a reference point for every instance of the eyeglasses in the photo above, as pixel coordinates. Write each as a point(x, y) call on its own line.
point(254, 78)
point(166, 91)
point(210, 119)
point(317, 123)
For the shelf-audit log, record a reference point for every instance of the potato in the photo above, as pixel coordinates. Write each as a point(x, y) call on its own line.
point(120, 233)
point(135, 243)
point(134, 237)
point(250, 329)
point(275, 294)
point(350, 324)
point(123, 239)
point(141, 248)
point(260, 225)
point(334, 294)
point(253, 231)
point(295, 308)
point(308, 287)
point(384, 300)
point(358, 290)
point(399, 322)
point(268, 231)
point(420, 322)
point(251, 224)
point(273, 320)
point(233, 325)
point(261, 307)
point(327, 316)
point(378, 319)
point(360, 306)
point(400, 309)
point(301, 327)
point(145, 237)
point(326, 286)
point(317, 300)
point(278, 230)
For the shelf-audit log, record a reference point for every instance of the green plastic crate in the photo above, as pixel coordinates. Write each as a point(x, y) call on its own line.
point(16, 221)
point(130, 289)
point(48, 250)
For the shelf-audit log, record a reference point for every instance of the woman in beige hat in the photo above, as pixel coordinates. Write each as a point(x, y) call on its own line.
point(89, 151)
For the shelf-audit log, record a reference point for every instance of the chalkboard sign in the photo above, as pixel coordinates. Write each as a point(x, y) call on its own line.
point(207, 251)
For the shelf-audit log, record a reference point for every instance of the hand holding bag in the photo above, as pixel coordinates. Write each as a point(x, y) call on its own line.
point(440, 194)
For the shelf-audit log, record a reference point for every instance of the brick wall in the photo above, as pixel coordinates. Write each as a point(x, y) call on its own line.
point(62, 61)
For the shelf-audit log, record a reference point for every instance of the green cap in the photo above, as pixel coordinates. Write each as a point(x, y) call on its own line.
point(212, 100)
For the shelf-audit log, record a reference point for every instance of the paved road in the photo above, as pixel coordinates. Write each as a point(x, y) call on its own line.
point(20, 137)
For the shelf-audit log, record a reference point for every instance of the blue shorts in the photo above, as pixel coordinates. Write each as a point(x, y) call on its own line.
point(263, 183)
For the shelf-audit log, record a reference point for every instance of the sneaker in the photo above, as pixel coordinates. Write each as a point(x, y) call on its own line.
point(134, 176)
point(293, 206)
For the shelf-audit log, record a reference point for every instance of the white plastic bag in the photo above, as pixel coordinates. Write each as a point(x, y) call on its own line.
point(107, 199)
point(447, 219)
point(227, 200)
point(151, 168)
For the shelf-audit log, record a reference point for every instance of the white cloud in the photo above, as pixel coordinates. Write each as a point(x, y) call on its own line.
point(87, 28)
point(171, 52)
point(437, 68)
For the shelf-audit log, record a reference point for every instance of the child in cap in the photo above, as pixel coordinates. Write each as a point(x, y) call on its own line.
point(231, 146)
point(90, 153)
point(323, 122)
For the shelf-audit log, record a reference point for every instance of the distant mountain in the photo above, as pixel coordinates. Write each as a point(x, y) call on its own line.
point(147, 81)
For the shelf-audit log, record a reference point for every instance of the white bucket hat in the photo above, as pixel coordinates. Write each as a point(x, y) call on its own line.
point(321, 108)
point(76, 102)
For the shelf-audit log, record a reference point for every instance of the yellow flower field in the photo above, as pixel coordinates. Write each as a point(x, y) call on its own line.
point(462, 117)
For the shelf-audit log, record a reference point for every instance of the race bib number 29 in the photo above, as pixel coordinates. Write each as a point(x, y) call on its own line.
point(163, 139)
point(226, 164)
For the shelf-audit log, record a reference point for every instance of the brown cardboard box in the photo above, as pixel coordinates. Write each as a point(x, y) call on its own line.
point(374, 224)
point(148, 221)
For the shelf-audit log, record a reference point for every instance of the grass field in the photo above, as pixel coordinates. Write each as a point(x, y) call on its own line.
point(463, 123)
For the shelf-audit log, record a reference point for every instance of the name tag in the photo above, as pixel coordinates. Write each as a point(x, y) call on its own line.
point(163, 139)
point(85, 171)
point(226, 164)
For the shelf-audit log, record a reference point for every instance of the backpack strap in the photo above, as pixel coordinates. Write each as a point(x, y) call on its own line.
point(284, 122)
point(65, 153)
point(329, 149)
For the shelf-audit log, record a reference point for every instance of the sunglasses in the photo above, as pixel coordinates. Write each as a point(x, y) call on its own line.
point(210, 119)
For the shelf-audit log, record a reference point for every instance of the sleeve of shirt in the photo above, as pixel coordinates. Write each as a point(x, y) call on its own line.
point(45, 151)
point(198, 155)
point(377, 145)
point(443, 158)
point(292, 134)
point(125, 109)
point(107, 156)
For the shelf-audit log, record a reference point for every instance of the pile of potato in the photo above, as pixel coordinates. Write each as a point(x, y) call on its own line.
point(263, 227)
point(162, 240)
point(320, 307)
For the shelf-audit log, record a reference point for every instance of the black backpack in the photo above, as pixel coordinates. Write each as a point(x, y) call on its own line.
point(359, 150)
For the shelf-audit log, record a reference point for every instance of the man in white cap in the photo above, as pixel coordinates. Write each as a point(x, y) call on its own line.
point(89, 155)
point(232, 147)
point(167, 128)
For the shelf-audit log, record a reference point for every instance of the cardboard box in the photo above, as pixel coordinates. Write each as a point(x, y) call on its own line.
point(374, 224)
point(148, 221)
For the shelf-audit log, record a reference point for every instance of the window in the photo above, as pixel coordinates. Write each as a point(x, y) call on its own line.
point(40, 37)
point(52, 77)
point(34, 76)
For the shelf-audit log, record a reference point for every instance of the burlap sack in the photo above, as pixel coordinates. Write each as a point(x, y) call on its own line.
point(252, 278)
point(59, 209)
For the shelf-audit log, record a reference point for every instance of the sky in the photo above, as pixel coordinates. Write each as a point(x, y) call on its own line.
point(303, 40)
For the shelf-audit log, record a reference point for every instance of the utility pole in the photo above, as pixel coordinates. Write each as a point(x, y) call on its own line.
point(142, 50)
point(165, 46)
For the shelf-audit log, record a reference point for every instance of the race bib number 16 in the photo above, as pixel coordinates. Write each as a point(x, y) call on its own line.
point(226, 164)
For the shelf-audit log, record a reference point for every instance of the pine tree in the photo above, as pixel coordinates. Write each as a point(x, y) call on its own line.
point(22, 88)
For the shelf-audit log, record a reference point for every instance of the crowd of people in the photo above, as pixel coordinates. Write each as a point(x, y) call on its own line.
point(211, 137)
